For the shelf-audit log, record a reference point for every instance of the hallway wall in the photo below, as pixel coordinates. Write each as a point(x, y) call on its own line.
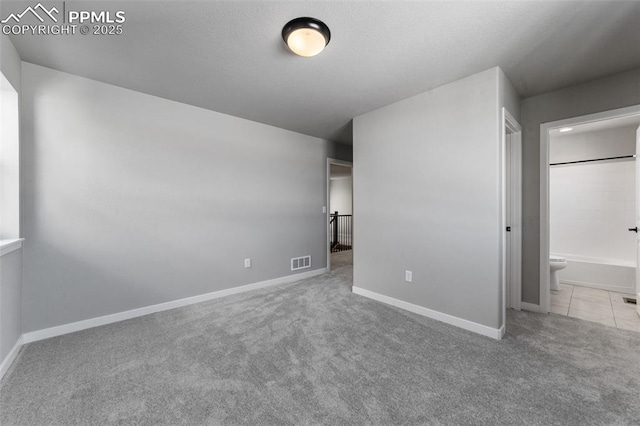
point(341, 195)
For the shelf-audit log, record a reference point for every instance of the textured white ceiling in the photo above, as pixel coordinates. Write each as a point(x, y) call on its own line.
point(229, 57)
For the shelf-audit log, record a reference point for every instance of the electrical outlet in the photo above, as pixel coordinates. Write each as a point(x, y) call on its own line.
point(408, 276)
point(247, 263)
point(324, 209)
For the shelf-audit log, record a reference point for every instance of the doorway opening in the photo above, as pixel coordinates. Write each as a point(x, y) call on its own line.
point(589, 216)
point(511, 215)
point(340, 214)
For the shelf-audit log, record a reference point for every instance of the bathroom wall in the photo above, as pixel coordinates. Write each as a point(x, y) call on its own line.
point(592, 205)
point(617, 91)
point(615, 142)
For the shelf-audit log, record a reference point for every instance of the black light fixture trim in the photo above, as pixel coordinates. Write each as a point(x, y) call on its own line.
point(306, 22)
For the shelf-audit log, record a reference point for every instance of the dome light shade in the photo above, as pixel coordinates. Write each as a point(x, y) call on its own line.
point(306, 36)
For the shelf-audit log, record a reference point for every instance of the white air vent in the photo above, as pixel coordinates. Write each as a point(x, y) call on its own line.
point(300, 263)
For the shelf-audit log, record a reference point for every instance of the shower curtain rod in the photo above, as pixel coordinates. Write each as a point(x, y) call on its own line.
point(591, 161)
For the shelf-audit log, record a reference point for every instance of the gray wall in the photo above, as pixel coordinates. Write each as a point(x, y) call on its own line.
point(10, 64)
point(131, 200)
point(508, 96)
point(340, 151)
point(613, 92)
point(441, 149)
point(10, 301)
point(11, 263)
point(606, 143)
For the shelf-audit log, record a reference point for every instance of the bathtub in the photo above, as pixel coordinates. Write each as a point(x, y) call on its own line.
point(605, 274)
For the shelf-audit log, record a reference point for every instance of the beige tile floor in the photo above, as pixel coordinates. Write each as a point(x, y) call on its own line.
point(606, 307)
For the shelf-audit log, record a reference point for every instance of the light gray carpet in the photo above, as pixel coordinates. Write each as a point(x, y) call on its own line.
point(341, 259)
point(313, 353)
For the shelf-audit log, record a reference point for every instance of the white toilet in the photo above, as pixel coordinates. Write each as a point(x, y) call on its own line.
point(556, 263)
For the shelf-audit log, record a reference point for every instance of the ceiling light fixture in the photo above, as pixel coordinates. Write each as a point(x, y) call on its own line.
point(306, 36)
point(566, 129)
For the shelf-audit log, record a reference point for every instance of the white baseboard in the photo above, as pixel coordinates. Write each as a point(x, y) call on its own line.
point(47, 333)
point(494, 333)
point(530, 307)
point(11, 356)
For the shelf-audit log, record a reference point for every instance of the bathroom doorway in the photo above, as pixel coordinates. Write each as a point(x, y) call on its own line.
point(589, 217)
point(339, 214)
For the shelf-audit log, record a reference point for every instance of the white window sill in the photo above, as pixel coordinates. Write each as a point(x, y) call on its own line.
point(7, 246)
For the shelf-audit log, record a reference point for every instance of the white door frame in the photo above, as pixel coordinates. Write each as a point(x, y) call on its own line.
point(511, 133)
point(331, 161)
point(545, 128)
